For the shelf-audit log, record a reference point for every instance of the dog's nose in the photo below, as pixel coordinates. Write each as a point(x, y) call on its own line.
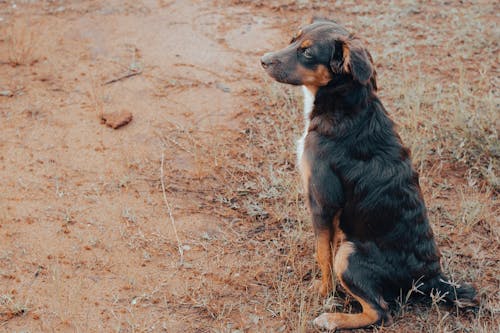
point(267, 60)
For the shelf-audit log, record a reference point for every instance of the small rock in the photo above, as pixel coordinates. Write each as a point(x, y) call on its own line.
point(117, 119)
point(6, 93)
point(222, 87)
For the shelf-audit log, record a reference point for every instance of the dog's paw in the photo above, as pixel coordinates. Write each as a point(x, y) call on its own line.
point(326, 321)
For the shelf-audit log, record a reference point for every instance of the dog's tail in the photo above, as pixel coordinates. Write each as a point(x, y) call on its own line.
point(460, 295)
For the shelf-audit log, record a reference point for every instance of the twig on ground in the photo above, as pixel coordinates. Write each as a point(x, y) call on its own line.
point(169, 208)
point(123, 77)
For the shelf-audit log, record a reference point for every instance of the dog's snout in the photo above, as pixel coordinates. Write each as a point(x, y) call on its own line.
point(267, 60)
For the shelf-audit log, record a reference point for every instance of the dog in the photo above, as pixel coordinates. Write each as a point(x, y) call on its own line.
point(368, 212)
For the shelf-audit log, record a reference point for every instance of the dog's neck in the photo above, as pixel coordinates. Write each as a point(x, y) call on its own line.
point(342, 96)
point(336, 106)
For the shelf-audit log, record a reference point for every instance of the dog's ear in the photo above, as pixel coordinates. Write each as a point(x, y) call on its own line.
point(349, 56)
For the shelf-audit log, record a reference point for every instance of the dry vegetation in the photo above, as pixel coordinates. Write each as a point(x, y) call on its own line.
point(204, 229)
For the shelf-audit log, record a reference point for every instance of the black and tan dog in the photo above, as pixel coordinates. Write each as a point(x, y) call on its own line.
point(367, 209)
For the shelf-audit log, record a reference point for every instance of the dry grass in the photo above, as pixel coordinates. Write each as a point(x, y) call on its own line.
point(10, 308)
point(21, 44)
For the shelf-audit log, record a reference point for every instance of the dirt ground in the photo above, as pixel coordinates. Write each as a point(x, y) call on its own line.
point(190, 217)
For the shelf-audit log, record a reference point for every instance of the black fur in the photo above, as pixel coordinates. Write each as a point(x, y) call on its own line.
point(371, 178)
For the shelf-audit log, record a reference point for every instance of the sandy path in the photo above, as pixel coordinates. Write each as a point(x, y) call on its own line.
point(86, 240)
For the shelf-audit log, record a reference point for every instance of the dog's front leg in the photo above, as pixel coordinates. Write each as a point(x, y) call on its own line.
point(325, 199)
point(324, 256)
point(328, 237)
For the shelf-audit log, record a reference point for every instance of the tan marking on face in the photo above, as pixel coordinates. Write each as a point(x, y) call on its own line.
point(307, 43)
point(314, 78)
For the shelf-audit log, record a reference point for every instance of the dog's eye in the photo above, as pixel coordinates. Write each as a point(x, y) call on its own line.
point(307, 53)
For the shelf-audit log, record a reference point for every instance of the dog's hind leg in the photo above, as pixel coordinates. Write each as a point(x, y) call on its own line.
point(358, 280)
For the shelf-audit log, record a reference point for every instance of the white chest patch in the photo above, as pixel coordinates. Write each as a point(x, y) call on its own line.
point(303, 164)
point(308, 106)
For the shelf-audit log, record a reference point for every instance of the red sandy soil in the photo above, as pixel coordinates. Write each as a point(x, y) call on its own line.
point(129, 229)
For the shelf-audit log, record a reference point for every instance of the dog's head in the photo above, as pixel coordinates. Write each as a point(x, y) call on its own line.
point(317, 53)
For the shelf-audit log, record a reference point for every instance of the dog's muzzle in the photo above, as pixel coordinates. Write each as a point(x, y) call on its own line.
point(268, 60)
